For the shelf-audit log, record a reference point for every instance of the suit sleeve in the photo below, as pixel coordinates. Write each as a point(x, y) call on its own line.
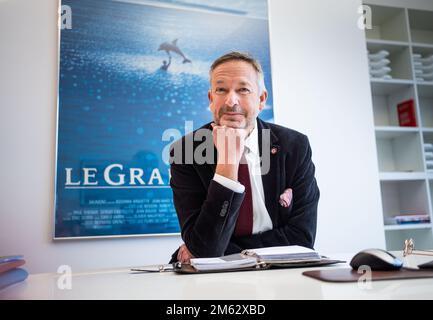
point(207, 217)
point(300, 226)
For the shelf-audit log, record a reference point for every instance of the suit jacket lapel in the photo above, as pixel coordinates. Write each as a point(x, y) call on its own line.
point(271, 180)
point(210, 168)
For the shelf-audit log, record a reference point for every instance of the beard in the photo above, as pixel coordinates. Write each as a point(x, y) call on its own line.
point(241, 120)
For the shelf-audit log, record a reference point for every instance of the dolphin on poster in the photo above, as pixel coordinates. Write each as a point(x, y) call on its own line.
point(172, 47)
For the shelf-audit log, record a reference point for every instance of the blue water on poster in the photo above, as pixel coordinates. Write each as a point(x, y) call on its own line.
point(115, 102)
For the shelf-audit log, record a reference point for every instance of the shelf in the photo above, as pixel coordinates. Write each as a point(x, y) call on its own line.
point(387, 43)
point(404, 197)
point(425, 89)
point(386, 97)
point(421, 26)
point(429, 83)
point(386, 87)
point(431, 188)
point(399, 56)
point(388, 23)
point(428, 136)
point(408, 226)
point(393, 131)
point(422, 49)
point(405, 183)
point(399, 151)
point(422, 45)
point(401, 176)
point(425, 98)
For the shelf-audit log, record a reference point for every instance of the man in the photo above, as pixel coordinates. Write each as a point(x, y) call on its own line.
point(165, 65)
point(260, 190)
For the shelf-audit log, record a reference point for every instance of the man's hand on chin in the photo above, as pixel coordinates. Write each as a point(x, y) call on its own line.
point(184, 255)
point(230, 144)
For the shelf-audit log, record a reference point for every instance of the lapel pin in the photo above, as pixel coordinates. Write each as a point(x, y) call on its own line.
point(274, 150)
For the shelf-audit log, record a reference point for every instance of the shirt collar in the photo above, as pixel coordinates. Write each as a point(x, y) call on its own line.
point(252, 141)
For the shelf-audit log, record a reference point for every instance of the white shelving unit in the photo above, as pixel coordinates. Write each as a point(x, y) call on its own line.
point(406, 184)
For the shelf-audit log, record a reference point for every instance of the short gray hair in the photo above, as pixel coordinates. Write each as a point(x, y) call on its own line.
point(241, 56)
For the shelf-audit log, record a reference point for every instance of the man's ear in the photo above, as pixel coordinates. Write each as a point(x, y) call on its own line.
point(263, 97)
point(209, 95)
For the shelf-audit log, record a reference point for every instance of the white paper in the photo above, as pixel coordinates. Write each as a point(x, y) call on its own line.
point(282, 250)
point(228, 262)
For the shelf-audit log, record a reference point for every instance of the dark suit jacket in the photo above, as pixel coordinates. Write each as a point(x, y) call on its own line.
point(207, 211)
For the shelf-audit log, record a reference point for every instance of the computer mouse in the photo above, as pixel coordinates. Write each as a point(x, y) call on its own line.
point(376, 259)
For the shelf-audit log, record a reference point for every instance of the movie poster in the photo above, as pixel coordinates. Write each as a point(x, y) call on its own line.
point(133, 78)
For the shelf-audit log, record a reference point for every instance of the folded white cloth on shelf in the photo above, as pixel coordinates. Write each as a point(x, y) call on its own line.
point(428, 146)
point(425, 68)
point(378, 55)
point(428, 76)
point(385, 77)
point(380, 72)
point(428, 155)
point(423, 59)
point(379, 63)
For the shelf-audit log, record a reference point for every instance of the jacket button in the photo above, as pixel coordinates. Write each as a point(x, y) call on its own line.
point(223, 212)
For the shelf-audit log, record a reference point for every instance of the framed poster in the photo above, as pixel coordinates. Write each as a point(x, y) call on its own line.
point(133, 78)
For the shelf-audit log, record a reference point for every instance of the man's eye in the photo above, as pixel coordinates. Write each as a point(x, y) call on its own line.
point(220, 90)
point(244, 90)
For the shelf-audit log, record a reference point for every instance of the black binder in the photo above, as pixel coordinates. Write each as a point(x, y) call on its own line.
point(186, 268)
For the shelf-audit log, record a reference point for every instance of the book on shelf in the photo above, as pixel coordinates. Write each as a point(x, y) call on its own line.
point(407, 219)
point(412, 218)
point(258, 259)
point(406, 113)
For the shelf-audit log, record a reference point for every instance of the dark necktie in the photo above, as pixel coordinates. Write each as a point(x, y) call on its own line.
point(244, 224)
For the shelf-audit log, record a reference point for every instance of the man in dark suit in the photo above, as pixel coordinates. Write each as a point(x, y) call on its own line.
point(250, 183)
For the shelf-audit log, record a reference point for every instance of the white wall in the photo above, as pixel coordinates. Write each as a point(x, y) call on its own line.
point(321, 88)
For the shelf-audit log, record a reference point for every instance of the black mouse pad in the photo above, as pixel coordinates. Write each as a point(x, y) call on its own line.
point(350, 275)
point(427, 265)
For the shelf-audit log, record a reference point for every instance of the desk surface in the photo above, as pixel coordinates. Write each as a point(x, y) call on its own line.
point(265, 284)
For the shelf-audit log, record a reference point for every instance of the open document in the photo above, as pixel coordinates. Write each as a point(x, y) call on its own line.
point(233, 261)
point(255, 259)
point(284, 254)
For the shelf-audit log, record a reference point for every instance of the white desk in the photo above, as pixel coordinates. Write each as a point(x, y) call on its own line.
point(265, 284)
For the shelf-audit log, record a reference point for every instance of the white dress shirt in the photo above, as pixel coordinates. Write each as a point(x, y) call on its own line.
point(261, 219)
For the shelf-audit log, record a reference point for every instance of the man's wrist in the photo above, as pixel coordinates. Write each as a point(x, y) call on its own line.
point(229, 183)
point(229, 171)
